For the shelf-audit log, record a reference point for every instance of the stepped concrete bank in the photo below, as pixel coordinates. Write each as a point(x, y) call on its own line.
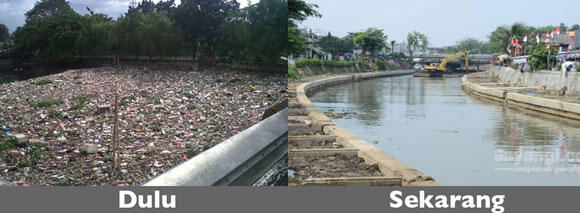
point(568, 83)
point(307, 114)
point(485, 85)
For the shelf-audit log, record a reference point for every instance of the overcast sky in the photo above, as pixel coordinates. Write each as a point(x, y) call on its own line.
point(12, 11)
point(443, 21)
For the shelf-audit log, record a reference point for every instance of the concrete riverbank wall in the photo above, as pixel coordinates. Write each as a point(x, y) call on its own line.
point(368, 152)
point(318, 70)
point(568, 82)
point(483, 85)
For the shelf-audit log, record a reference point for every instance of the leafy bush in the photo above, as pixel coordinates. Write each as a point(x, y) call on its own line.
point(382, 65)
point(317, 63)
point(578, 68)
point(293, 73)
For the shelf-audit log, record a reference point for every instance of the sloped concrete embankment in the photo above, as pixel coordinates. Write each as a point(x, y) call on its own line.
point(318, 70)
point(308, 124)
point(568, 83)
point(483, 85)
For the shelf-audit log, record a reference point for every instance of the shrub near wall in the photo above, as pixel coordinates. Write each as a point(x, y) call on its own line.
point(318, 63)
point(293, 73)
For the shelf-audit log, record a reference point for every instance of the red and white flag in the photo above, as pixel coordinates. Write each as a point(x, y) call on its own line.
point(558, 30)
point(526, 38)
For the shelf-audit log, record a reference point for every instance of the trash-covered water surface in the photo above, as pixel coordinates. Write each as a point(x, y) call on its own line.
point(58, 129)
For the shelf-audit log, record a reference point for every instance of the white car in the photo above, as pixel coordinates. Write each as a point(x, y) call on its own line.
point(418, 67)
point(569, 66)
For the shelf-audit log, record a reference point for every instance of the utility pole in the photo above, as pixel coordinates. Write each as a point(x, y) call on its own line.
point(548, 60)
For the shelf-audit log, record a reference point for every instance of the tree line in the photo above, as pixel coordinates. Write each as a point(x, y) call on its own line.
point(204, 30)
point(370, 40)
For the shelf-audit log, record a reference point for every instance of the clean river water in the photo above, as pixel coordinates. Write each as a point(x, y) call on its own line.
point(432, 125)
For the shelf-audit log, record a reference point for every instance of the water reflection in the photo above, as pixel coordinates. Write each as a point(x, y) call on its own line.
point(431, 125)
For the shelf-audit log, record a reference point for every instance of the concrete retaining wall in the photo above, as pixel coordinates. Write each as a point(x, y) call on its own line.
point(316, 70)
point(388, 165)
point(551, 80)
point(546, 105)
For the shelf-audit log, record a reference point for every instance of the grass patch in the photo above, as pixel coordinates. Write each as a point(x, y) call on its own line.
point(293, 73)
point(191, 153)
point(125, 100)
point(33, 153)
point(65, 183)
point(318, 63)
point(6, 145)
point(49, 102)
point(43, 82)
point(77, 77)
point(191, 107)
point(54, 114)
point(157, 100)
point(5, 100)
point(189, 95)
point(82, 100)
point(218, 128)
point(144, 93)
point(270, 99)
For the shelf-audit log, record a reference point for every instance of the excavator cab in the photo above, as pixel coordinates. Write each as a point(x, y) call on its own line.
point(438, 70)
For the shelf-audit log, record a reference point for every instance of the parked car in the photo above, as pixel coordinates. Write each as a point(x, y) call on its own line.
point(569, 66)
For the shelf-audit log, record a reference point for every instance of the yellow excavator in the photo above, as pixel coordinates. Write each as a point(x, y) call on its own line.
point(441, 69)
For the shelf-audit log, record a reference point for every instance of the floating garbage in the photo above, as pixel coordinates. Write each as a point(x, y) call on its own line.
point(162, 115)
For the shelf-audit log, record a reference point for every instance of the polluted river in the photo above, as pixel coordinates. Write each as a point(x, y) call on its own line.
point(432, 125)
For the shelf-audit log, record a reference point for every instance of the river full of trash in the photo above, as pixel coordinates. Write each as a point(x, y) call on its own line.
point(58, 129)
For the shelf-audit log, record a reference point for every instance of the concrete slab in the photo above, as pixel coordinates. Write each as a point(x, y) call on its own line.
point(354, 181)
point(322, 152)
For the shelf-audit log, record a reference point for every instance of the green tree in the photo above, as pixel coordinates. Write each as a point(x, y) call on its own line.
point(202, 20)
point(502, 36)
point(393, 42)
point(371, 39)
point(298, 11)
point(473, 45)
point(539, 57)
point(268, 34)
point(4, 34)
point(155, 34)
point(575, 27)
point(128, 31)
point(50, 33)
point(96, 34)
point(330, 44)
point(416, 39)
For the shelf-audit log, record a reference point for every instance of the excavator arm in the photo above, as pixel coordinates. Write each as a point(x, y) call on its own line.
point(443, 64)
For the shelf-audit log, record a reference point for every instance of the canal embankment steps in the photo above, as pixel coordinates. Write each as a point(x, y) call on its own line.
point(532, 97)
point(313, 138)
